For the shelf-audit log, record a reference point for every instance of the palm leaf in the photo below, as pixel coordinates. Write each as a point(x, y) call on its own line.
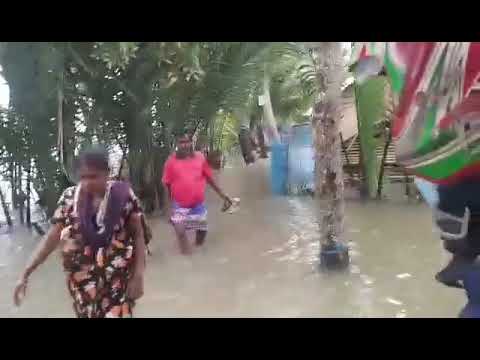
point(371, 111)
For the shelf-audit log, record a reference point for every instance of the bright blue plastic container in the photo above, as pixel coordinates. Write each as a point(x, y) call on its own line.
point(279, 168)
point(301, 161)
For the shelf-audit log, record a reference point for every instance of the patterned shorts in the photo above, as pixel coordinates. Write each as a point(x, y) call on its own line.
point(191, 218)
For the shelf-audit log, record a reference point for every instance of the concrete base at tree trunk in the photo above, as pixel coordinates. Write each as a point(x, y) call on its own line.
point(334, 257)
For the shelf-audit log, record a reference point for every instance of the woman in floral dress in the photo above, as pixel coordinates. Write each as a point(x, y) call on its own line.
point(99, 227)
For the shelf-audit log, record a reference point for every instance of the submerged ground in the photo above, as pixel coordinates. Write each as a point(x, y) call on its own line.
point(261, 261)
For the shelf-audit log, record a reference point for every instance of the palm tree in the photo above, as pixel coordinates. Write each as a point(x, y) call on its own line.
point(136, 95)
point(330, 75)
point(233, 76)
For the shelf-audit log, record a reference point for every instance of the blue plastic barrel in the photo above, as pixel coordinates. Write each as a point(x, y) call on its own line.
point(279, 168)
point(301, 159)
point(302, 135)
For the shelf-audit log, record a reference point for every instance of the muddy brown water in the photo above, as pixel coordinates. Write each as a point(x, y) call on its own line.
point(261, 262)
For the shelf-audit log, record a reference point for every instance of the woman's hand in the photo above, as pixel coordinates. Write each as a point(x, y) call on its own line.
point(135, 287)
point(20, 290)
point(41, 253)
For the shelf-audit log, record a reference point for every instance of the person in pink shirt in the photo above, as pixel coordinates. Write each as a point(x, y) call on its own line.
point(185, 176)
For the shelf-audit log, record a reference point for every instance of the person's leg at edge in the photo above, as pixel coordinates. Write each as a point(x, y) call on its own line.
point(200, 237)
point(182, 239)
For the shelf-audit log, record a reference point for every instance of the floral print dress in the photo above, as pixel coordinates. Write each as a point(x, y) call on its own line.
point(97, 281)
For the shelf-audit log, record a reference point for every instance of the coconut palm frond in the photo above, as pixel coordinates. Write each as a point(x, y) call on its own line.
point(371, 112)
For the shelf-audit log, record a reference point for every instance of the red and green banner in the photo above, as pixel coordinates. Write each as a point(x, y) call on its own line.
point(436, 127)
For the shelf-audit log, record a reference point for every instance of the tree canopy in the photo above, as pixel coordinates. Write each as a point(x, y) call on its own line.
point(133, 96)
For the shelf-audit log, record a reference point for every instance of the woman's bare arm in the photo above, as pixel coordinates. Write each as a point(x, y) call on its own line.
point(135, 224)
point(135, 283)
point(41, 253)
point(43, 250)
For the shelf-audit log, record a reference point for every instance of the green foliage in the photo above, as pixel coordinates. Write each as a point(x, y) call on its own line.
point(115, 54)
point(371, 100)
point(135, 95)
point(226, 134)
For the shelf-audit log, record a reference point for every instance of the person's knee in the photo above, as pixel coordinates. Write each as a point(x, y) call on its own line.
point(179, 229)
point(201, 236)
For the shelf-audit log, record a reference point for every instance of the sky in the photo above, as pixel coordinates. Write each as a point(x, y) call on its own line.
point(4, 92)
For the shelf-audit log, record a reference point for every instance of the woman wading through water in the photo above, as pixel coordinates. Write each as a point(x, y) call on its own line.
point(99, 226)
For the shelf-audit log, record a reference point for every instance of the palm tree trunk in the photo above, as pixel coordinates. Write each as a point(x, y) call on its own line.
point(382, 166)
point(122, 163)
point(20, 196)
point(140, 157)
point(29, 194)
point(268, 115)
point(246, 145)
point(13, 183)
point(66, 132)
point(329, 168)
point(261, 142)
point(6, 212)
point(244, 137)
point(211, 135)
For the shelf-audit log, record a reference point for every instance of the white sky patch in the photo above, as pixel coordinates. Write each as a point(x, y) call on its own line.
point(347, 48)
point(4, 92)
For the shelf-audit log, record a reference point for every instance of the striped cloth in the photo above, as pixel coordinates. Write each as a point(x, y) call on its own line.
point(191, 218)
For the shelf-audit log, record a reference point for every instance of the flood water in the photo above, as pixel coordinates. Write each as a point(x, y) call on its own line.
point(261, 262)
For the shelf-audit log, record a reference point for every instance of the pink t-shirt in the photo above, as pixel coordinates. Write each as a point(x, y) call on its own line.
point(187, 179)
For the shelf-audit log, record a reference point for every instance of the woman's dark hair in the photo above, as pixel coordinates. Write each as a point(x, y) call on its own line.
point(95, 158)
